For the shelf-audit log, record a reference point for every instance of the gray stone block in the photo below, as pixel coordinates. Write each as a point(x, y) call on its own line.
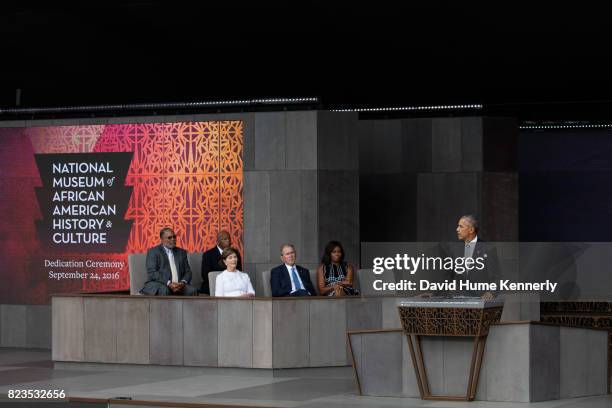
point(248, 139)
point(381, 366)
point(270, 141)
point(446, 145)
point(311, 251)
point(132, 322)
point(68, 329)
point(433, 357)
point(583, 362)
point(441, 200)
point(471, 144)
point(38, 326)
point(375, 137)
point(13, 325)
point(290, 328)
point(595, 344)
point(18, 123)
point(256, 216)
point(100, 330)
point(500, 144)
point(574, 372)
point(301, 140)
point(339, 211)
point(262, 334)
point(355, 354)
point(390, 313)
point(499, 218)
point(235, 330)
point(166, 331)
point(285, 211)
point(328, 332)
point(200, 332)
point(338, 140)
point(410, 387)
point(363, 313)
point(506, 359)
point(416, 145)
point(544, 370)
point(457, 355)
point(512, 307)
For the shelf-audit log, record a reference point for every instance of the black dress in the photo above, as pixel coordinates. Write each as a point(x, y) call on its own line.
point(337, 273)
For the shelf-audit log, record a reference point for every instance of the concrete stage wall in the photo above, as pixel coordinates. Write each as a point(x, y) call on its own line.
point(213, 332)
point(302, 173)
point(523, 362)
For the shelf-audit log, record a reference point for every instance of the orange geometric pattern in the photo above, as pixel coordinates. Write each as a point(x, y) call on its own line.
point(185, 175)
point(64, 139)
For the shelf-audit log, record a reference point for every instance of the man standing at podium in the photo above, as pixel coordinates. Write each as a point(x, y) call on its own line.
point(168, 271)
point(475, 248)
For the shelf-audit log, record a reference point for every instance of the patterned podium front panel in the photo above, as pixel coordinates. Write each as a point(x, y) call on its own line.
point(448, 321)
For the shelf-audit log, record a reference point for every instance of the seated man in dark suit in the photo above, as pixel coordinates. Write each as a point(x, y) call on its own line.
point(168, 271)
point(290, 279)
point(211, 259)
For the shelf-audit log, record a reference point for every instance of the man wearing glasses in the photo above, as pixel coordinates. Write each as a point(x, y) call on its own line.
point(168, 271)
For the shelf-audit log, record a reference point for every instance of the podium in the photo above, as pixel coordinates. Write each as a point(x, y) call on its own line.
point(457, 317)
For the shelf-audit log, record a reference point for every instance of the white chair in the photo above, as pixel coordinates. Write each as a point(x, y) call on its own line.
point(212, 281)
point(138, 272)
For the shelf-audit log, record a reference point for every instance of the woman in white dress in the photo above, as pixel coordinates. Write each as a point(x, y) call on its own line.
point(232, 282)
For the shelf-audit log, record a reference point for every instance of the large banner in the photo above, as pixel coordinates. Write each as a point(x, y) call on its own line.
point(76, 200)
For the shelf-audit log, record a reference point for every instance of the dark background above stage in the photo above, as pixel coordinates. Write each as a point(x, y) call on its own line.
point(381, 54)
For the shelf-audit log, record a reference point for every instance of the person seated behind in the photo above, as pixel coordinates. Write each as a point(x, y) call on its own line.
point(334, 276)
point(211, 259)
point(290, 279)
point(168, 271)
point(232, 282)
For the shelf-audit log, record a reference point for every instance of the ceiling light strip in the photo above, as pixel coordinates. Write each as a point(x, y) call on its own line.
point(411, 108)
point(172, 105)
point(577, 126)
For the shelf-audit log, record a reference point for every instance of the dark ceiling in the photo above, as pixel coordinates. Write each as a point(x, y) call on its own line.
point(545, 59)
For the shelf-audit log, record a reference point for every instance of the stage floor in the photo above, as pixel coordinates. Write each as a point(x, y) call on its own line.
point(334, 387)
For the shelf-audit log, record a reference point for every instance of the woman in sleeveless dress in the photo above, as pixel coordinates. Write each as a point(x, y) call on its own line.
point(334, 275)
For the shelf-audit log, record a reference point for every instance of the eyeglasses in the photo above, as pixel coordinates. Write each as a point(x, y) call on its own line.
point(171, 237)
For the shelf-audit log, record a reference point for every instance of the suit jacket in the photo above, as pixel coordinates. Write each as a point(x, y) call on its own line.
point(210, 263)
point(158, 265)
point(490, 272)
point(281, 281)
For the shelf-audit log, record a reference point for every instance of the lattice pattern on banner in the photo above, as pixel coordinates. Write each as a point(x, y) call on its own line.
point(448, 321)
point(64, 139)
point(184, 175)
point(231, 181)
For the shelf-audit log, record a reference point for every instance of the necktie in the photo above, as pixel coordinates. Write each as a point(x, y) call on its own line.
point(172, 266)
point(296, 280)
point(469, 249)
